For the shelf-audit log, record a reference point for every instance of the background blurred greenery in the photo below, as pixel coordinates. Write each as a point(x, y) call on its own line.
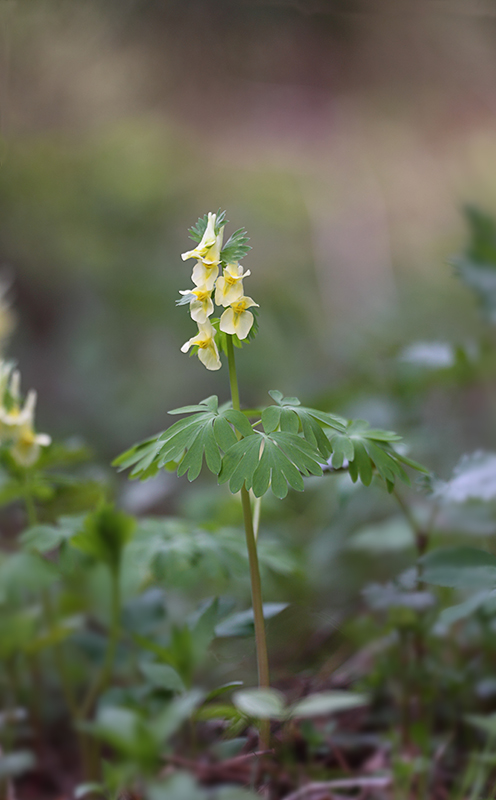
point(344, 136)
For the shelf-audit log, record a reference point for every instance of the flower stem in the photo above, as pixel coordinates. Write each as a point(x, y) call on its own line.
point(256, 587)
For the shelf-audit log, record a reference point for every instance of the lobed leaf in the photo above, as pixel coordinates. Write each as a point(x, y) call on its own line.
point(275, 459)
point(365, 449)
point(199, 437)
point(289, 415)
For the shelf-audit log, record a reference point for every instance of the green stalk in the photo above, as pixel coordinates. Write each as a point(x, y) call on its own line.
point(48, 614)
point(256, 587)
point(103, 677)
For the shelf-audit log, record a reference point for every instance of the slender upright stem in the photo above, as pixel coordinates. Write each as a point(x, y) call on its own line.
point(256, 587)
point(103, 677)
point(49, 617)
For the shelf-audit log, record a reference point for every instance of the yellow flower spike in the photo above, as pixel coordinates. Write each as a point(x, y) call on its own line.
point(201, 305)
point(229, 287)
point(205, 275)
point(208, 250)
point(205, 341)
point(236, 319)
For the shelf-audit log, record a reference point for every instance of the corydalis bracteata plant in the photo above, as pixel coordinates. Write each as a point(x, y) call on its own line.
point(271, 448)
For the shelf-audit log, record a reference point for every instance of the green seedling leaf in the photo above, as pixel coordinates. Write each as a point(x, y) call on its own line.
point(277, 460)
point(200, 437)
point(226, 687)
point(162, 676)
point(260, 703)
point(242, 624)
point(324, 703)
point(460, 568)
point(177, 712)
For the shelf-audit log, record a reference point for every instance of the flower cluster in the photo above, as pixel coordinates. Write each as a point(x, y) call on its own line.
point(226, 289)
point(17, 419)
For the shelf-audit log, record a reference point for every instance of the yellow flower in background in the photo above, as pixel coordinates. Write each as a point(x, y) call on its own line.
point(27, 446)
point(205, 341)
point(229, 287)
point(205, 275)
point(236, 319)
point(208, 250)
point(16, 422)
point(201, 305)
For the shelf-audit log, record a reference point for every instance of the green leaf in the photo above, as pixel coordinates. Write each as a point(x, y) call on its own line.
point(483, 723)
point(323, 703)
point(389, 535)
point(366, 449)
point(226, 687)
point(277, 460)
point(162, 676)
point(460, 567)
point(463, 610)
point(476, 267)
point(196, 231)
point(26, 572)
point(260, 703)
point(44, 538)
point(289, 411)
point(242, 623)
point(236, 247)
point(198, 437)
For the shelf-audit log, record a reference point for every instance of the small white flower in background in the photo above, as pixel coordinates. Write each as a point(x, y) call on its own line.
point(201, 305)
point(208, 352)
point(208, 250)
point(236, 319)
point(229, 287)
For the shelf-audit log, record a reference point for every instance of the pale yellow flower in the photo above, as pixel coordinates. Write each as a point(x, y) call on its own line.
point(205, 275)
point(208, 250)
point(27, 446)
point(236, 319)
point(201, 305)
point(229, 287)
point(17, 426)
point(207, 348)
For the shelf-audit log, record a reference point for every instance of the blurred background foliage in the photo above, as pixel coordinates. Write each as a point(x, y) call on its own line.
point(346, 137)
